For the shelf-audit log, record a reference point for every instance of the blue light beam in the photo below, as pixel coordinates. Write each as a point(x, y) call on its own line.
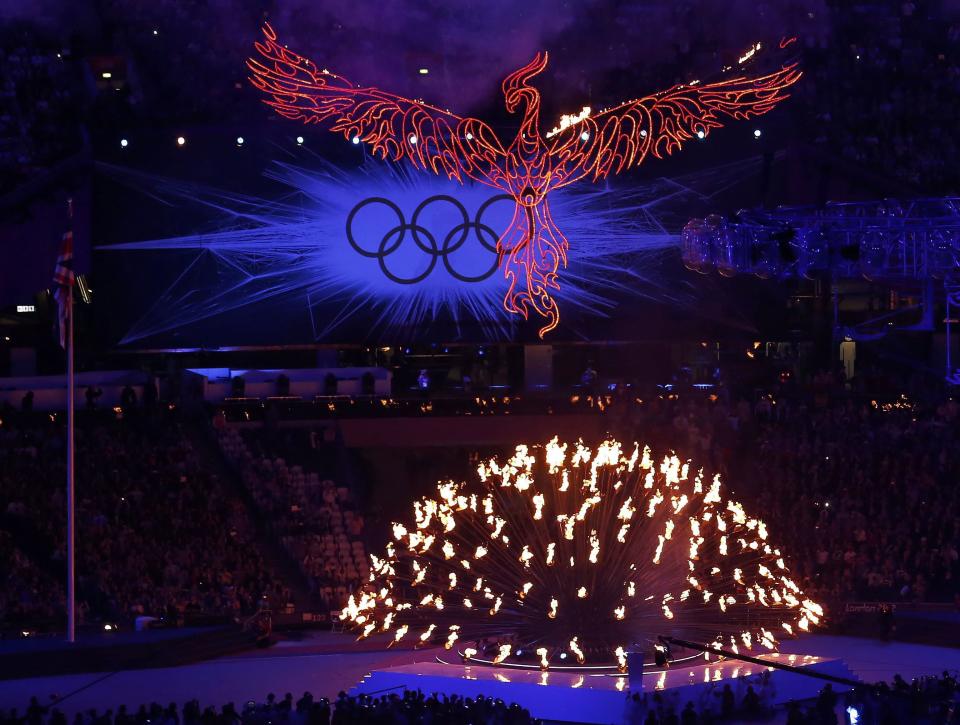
point(296, 246)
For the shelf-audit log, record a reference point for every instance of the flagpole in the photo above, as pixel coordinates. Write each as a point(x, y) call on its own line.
point(71, 513)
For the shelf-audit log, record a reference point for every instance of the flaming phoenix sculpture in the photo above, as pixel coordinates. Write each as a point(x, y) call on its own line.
point(585, 145)
point(581, 554)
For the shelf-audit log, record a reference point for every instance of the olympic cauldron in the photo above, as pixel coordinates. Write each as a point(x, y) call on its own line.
point(580, 554)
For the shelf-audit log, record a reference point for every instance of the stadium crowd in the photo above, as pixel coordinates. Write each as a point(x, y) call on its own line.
point(750, 697)
point(929, 700)
point(933, 700)
point(872, 471)
point(882, 90)
point(866, 480)
point(28, 594)
point(409, 707)
point(315, 521)
point(160, 534)
point(39, 104)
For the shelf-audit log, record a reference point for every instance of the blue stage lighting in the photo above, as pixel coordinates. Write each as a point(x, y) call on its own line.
point(399, 248)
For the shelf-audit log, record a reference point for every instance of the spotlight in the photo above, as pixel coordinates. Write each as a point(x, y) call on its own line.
point(355, 140)
point(701, 134)
point(299, 140)
point(757, 133)
point(469, 136)
point(181, 140)
point(106, 75)
point(123, 143)
point(563, 655)
point(585, 136)
point(424, 71)
point(413, 139)
point(239, 140)
point(156, 32)
point(643, 132)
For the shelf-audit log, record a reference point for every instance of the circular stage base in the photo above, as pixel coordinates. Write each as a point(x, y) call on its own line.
point(611, 668)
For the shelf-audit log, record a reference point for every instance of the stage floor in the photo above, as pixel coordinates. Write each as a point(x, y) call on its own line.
point(326, 663)
point(586, 697)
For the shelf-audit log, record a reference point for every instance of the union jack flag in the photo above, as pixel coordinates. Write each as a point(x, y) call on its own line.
point(63, 280)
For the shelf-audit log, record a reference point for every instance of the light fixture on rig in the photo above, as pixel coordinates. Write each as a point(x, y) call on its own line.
point(577, 555)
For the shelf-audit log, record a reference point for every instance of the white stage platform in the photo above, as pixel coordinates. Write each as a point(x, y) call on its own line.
point(602, 698)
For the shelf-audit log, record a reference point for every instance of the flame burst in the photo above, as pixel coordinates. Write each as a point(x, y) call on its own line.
point(588, 553)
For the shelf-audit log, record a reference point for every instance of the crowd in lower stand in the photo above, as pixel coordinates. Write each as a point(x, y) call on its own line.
point(933, 700)
point(871, 469)
point(878, 487)
point(28, 594)
point(407, 707)
point(315, 520)
point(926, 701)
point(749, 697)
point(159, 533)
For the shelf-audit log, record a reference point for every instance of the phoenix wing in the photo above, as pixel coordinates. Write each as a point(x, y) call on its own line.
point(392, 126)
point(619, 138)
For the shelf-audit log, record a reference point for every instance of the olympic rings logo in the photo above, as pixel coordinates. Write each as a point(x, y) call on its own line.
point(426, 241)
